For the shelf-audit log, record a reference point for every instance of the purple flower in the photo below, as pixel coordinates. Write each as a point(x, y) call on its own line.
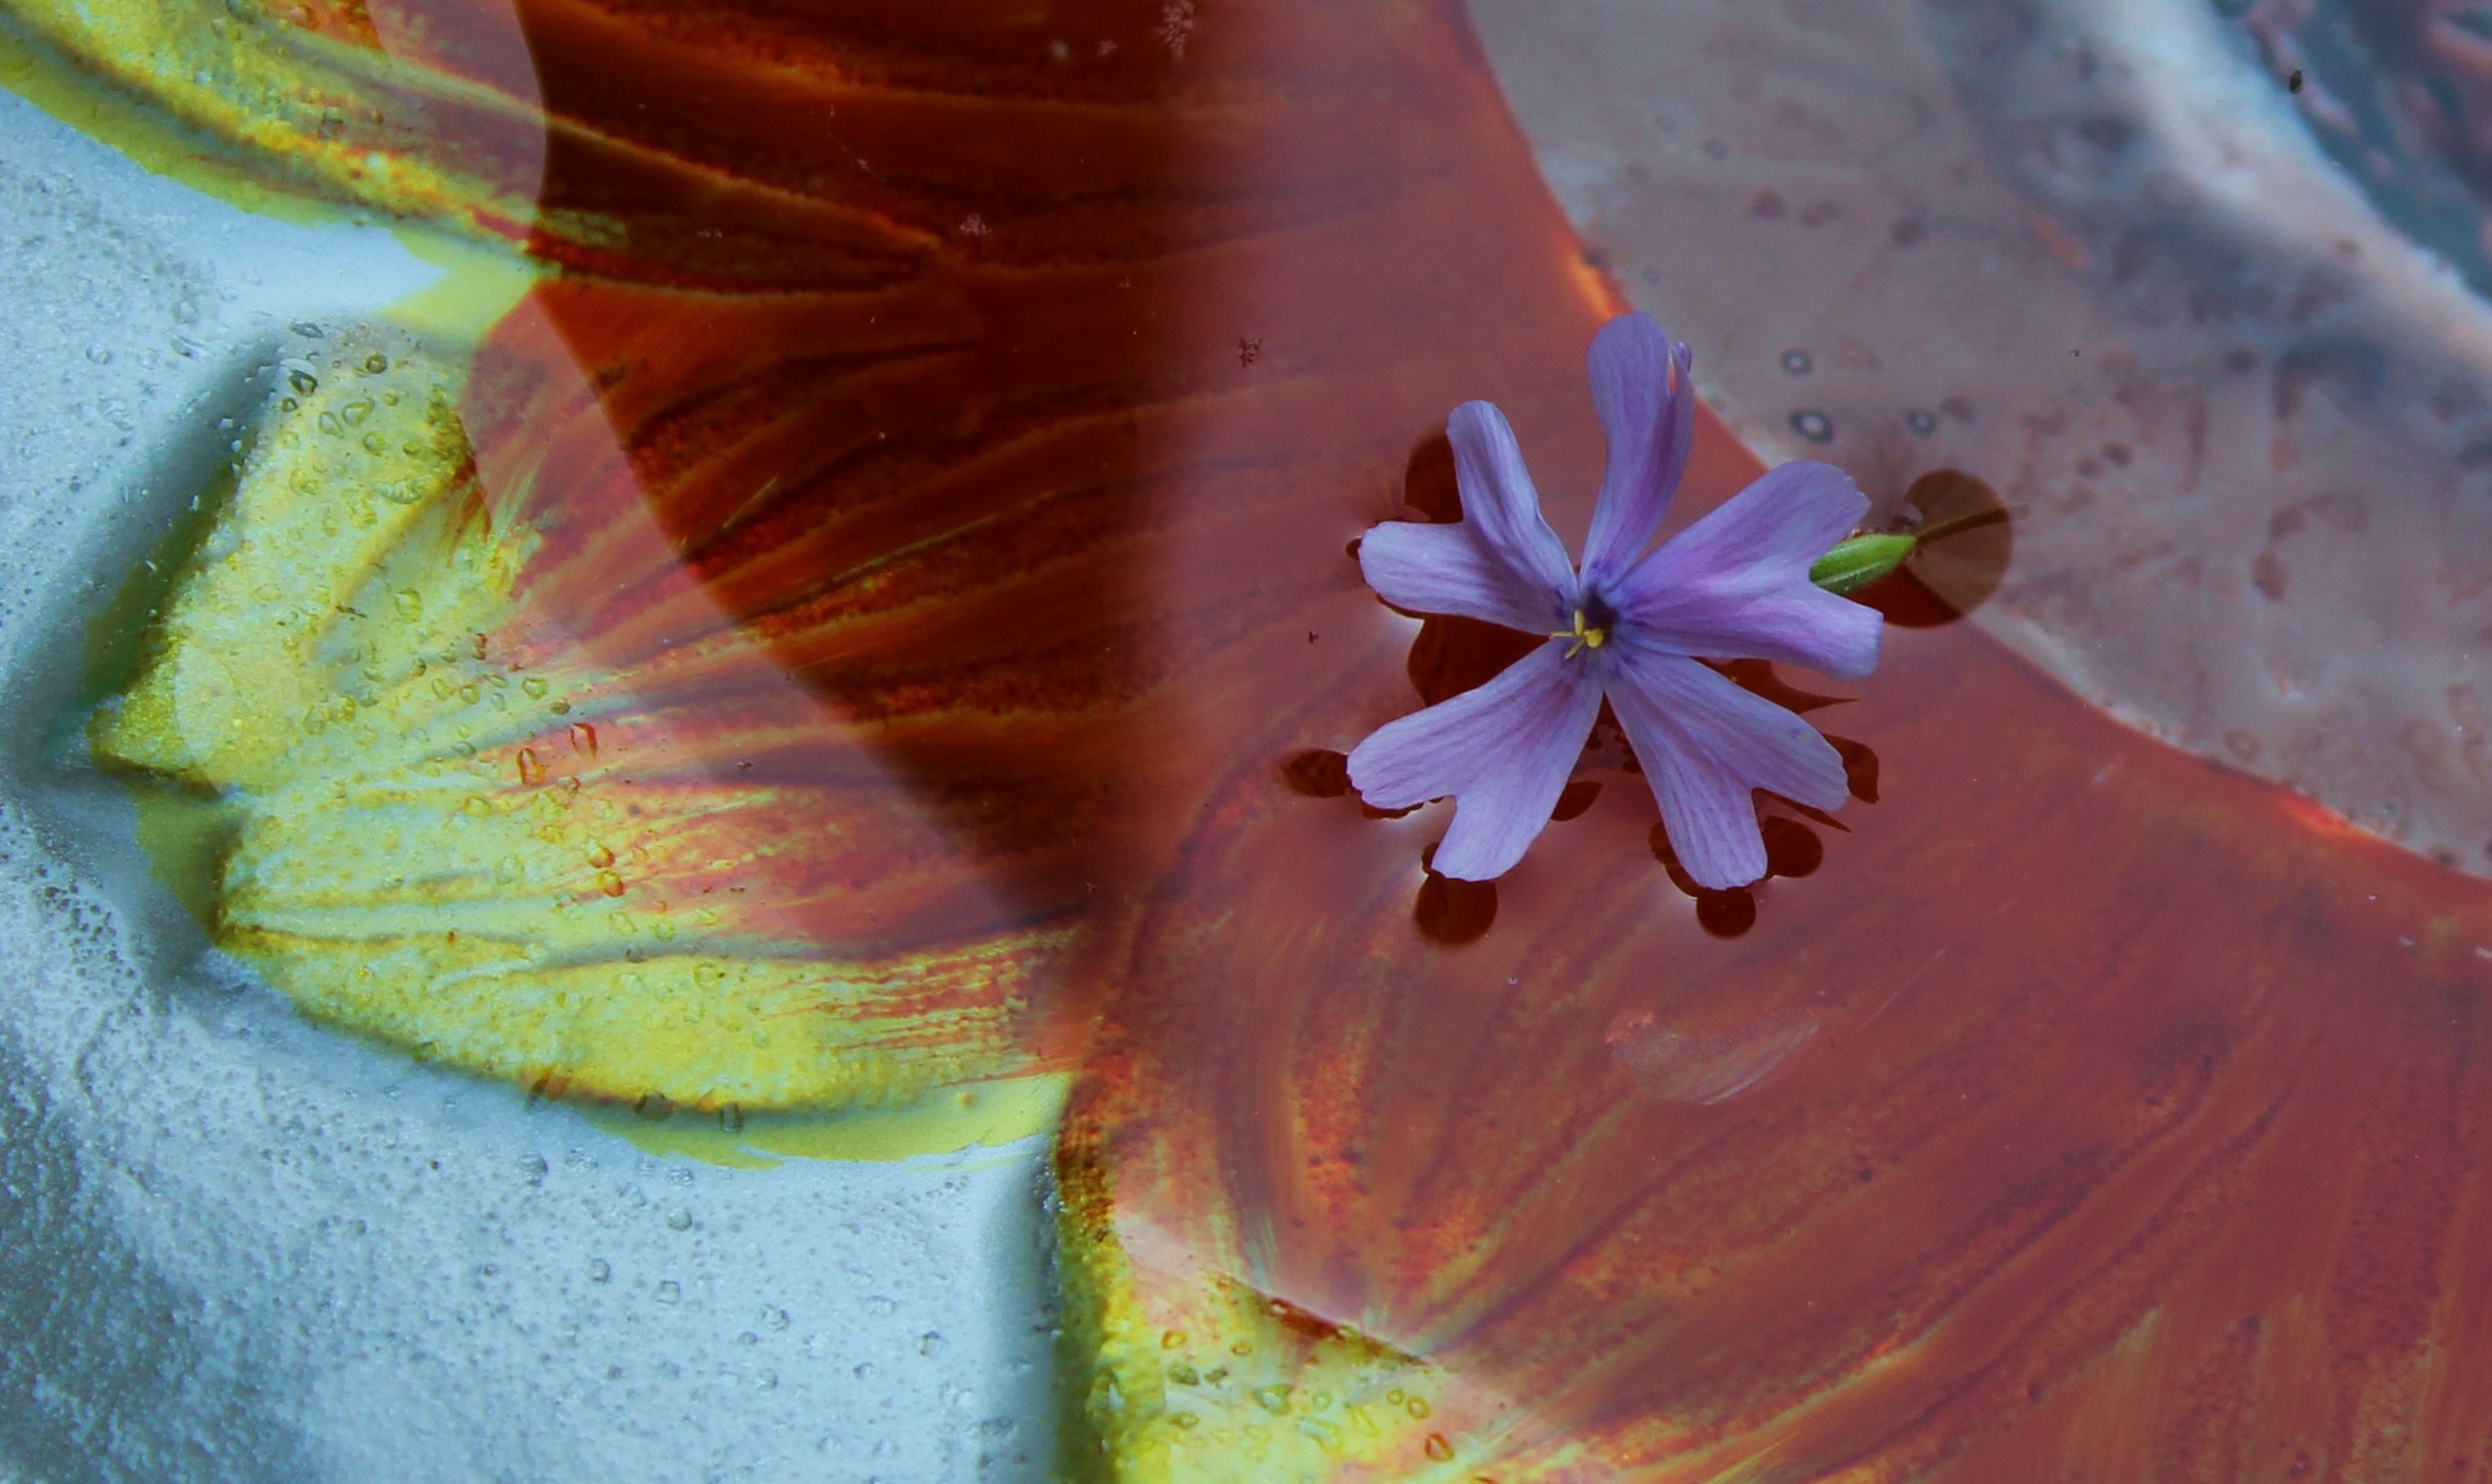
point(1632, 626)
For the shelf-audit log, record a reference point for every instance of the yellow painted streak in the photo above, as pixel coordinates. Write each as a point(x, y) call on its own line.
point(335, 778)
point(1174, 1373)
point(481, 282)
point(988, 1117)
point(148, 136)
point(239, 105)
point(140, 103)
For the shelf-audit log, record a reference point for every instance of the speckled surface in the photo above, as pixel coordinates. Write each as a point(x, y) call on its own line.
point(232, 1246)
point(2101, 256)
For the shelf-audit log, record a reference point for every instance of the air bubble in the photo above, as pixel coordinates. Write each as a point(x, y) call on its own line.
point(1813, 425)
point(1920, 422)
point(1796, 362)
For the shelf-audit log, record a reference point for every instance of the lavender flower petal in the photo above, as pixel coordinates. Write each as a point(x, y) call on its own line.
point(1735, 585)
point(1500, 508)
point(1704, 743)
point(1640, 387)
point(1424, 568)
point(1503, 751)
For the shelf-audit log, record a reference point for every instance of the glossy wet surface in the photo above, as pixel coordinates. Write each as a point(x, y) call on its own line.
point(875, 622)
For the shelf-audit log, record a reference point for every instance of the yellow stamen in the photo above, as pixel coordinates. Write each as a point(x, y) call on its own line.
point(1584, 638)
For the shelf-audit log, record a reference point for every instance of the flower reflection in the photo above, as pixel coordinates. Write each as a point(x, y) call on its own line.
point(1628, 629)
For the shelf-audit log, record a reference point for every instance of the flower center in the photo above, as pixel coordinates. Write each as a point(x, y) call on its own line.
point(1587, 634)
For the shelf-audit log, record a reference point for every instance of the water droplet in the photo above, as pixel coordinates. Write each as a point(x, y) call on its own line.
point(303, 381)
point(774, 1319)
point(1920, 422)
point(534, 686)
point(930, 1344)
point(1796, 362)
point(1813, 425)
point(600, 1270)
point(670, 1292)
point(600, 857)
point(610, 883)
point(100, 355)
point(375, 363)
point(679, 1221)
point(307, 328)
point(1725, 914)
point(1438, 1447)
point(532, 768)
point(409, 602)
point(1273, 1399)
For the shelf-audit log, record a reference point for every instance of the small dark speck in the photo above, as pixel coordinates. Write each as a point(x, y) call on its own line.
point(1248, 350)
point(1715, 149)
point(2293, 84)
point(1311, 636)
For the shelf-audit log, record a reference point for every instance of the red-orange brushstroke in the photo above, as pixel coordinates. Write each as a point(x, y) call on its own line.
point(2138, 1141)
point(1007, 499)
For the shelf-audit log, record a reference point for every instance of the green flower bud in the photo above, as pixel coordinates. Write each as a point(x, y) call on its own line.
point(1854, 564)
